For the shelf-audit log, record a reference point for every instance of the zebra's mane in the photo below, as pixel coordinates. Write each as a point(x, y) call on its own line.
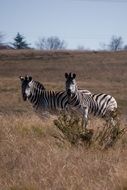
point(37, 85)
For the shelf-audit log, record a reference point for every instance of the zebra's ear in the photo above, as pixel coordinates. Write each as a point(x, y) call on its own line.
point(21, 78)
point(26, 77)
point(66, 75)
point(74, 75)
point(30, 78)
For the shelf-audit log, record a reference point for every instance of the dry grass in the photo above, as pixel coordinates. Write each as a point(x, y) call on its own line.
point(33, 153)
point(32, 159)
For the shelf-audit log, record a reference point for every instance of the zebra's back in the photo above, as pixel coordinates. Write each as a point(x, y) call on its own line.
point(51, 101)
point(104, 103)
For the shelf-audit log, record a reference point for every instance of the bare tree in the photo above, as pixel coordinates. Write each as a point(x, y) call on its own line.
point(51, 43)
point(80, 48)
point(116, 43)
point(125, 47)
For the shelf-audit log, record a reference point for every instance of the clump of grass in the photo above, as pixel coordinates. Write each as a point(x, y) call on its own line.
point(38, 132)
point(103, 137)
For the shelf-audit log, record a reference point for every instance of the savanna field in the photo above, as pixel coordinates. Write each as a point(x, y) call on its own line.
point(34, 153)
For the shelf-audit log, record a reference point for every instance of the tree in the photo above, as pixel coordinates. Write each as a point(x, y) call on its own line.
point(80, 48)
point(51, 43)
point(116, 43)
point(19, 42)
point(125, 47)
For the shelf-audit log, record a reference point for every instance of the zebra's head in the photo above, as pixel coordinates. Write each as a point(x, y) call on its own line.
point(71, 85)
point(25, 86)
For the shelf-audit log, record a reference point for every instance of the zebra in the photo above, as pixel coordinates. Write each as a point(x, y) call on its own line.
point(42, 100)
point(101, 104)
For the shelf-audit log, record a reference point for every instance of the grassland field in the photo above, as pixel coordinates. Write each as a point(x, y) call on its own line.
point(30, 157)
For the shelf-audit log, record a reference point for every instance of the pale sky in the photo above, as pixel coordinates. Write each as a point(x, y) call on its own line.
point(87, 23)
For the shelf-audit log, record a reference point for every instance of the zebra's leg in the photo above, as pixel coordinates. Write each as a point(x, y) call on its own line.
point(85, 118)
point(114, 117)
point(111, 118)
point(113, 123)
point(114, 120)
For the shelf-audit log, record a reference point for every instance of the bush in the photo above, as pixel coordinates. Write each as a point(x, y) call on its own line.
point(70, 126)
point(103, 137)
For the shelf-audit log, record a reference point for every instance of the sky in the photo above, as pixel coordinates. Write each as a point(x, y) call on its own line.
point(81, 23)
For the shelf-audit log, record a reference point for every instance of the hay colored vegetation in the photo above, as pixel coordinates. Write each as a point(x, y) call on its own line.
point(38, 154)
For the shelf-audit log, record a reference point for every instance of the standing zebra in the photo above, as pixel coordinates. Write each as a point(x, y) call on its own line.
point(43, 101)
point(102, 105)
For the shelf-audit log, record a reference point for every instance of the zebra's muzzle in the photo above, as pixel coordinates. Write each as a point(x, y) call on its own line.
point(24, 96)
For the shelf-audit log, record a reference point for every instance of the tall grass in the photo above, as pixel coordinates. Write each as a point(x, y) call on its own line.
point(32, 159)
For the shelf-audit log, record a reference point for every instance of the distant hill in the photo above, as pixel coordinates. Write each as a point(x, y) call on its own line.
point(2, 47)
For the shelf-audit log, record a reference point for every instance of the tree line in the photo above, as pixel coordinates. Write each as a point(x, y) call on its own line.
point(54, 43)
point(50, 43)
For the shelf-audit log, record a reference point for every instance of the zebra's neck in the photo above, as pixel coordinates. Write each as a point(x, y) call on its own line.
point(74, 99)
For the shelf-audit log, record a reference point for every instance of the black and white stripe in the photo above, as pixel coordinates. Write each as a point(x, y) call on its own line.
point(41, 99)
point(102, 105)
